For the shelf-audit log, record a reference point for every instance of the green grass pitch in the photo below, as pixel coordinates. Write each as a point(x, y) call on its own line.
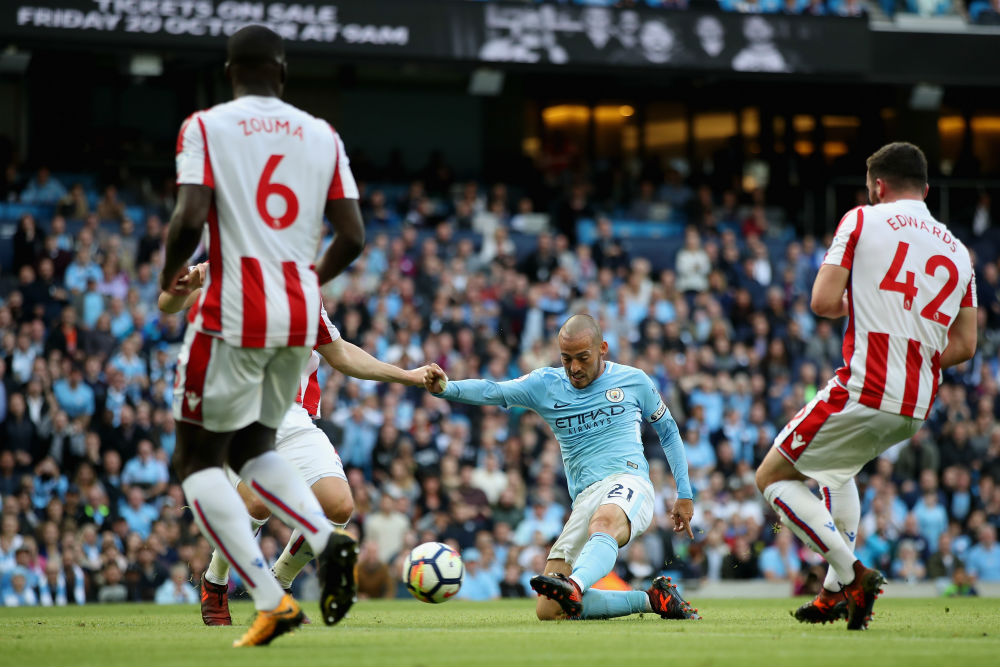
point(733, 632)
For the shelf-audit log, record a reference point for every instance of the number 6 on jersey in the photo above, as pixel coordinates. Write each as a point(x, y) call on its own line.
point(266, 188)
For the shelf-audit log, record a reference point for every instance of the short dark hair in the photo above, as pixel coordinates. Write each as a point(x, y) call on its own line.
point(901, 164)
point(255, 45)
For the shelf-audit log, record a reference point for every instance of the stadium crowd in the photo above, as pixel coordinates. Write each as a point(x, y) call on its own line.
point(477, 279)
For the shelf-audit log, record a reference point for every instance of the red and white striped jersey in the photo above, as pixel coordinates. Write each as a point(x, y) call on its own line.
point(909, 278)
point(309, 391)
point(272, 168)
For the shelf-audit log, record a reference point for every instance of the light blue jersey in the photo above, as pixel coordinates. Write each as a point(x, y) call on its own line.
point(598, 427)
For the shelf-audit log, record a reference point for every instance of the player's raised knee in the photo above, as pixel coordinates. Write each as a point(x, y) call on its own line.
point(257, 509)
point(761, 478)
point(341, 510)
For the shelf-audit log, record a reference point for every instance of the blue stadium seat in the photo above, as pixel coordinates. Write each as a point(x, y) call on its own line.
point(977, 8)
point(13, 211)
point(7, 231)
point(137, 213)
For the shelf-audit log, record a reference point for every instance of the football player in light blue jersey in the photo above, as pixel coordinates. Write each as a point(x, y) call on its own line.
point(595, 408)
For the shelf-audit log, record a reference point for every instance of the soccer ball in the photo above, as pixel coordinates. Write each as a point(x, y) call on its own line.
point(433, 572)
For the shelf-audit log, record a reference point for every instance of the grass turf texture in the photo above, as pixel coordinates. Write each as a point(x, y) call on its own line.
point(734, 632)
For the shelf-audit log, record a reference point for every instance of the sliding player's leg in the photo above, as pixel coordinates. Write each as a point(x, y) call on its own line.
point(611, 514)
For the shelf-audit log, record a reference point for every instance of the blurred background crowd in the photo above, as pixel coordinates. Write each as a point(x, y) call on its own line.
point(476, 277)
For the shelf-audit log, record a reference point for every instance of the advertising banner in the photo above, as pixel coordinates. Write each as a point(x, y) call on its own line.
point(549, 35)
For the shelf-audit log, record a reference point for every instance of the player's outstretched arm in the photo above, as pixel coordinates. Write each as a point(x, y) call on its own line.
point(348, 239)
point(479, 392)
point(828, 297)
point(656, 412)
point(962, 338)
point(184, 233)
point(351, 360)
point(176, 301)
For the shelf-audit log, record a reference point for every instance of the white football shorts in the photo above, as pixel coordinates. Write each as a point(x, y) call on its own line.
point(303, 444)
point(224, 388)
point(834, 436)
point(634, 494)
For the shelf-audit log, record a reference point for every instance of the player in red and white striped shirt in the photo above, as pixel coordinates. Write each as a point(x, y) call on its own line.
point(257, 175)
point(907, 288)
point(299, 441)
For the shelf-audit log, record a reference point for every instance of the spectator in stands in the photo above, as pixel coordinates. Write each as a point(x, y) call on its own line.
point(779, 562)
point(18, 593)
point(478, 584)
point(907, 565)
point(109, 207)
point(81, 271)
point(177, 589)
point(943, 563)
point(541, 264)
point(137, 513)
point(692, 264)
point(29, 242)
point(146, 471)
point(20, 434)
point(374, 579)
point(43, 188)
point(74, 204)
point(607, 251)
point(386, 528)
point(983, 560)
point(73, 395)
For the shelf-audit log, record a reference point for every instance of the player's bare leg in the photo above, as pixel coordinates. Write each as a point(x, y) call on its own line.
point(215, 580)
point(198, 460)
point(784, 489)
point(609, 528)
point(545, 608)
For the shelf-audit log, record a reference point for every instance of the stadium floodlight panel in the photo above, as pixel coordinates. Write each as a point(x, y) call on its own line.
point(14, 61)
point(486, 81)
point(926, 97)
point(145, 64)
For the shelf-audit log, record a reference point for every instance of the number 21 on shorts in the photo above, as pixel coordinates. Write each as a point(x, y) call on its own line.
point(619, 491)
point(266, 188)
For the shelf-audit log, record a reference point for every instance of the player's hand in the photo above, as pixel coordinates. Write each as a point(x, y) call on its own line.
point(435, 379)
point(415, 377)
point(196, 276)
point(681, 515)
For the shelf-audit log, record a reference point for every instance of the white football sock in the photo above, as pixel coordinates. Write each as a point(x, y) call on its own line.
point(279, 485)
point(291, 561)
point(218, 567)
point(295, 556)
point(844, 506)
point(212, 499)
point(807, 517)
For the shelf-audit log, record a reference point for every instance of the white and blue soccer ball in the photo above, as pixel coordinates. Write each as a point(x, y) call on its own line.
point(433, 572)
